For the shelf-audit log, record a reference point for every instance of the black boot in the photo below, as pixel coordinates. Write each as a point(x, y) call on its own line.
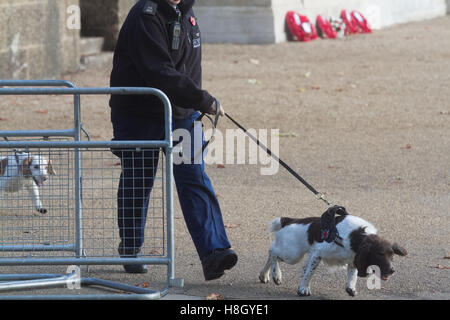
point(216, 262)
point(131, 253)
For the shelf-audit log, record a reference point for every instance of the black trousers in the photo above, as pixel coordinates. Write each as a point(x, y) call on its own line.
point(199, 204)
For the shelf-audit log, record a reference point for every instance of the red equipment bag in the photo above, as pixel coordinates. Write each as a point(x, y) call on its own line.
point(350, 22)
point(324, 28)
point(361, 22)
point(300, 27)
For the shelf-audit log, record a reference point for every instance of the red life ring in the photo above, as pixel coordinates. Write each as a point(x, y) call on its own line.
point(300, 27)
point(361, 22)
point(350, 23)
point(324, 28)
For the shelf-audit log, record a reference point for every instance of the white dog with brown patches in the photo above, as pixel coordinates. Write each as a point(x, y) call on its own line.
point(359, 248)
point(24, 170)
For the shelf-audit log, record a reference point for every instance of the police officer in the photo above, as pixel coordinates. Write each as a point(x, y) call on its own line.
point(159, 46)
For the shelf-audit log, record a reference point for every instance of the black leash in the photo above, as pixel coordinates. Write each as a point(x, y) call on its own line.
point(318, 194)
point(328, 231)
point(213, 123)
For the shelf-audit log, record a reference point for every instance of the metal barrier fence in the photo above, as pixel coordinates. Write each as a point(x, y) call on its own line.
point(71, 218)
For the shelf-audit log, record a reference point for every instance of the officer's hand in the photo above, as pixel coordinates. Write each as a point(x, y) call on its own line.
point(213, 109)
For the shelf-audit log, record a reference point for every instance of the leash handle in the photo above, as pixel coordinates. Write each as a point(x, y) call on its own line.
point(319, 195)
point(214, 123)
point(216, 120)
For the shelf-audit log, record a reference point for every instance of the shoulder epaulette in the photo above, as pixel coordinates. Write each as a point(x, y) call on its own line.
point(150, 8)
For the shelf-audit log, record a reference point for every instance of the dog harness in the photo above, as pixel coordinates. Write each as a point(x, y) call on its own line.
point(328, 231)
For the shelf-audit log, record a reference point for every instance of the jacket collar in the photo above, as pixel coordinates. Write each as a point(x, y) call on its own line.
point(168, 10)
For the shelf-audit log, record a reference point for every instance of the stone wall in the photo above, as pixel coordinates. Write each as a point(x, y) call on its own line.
point(35, 41)
point(262, 21)
point(239, 21)
point(104, 18)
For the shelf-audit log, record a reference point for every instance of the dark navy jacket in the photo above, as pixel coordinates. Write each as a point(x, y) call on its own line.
point(144, 57)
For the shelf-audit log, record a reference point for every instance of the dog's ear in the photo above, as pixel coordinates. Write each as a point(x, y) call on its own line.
point(50, 169)
point(3, 165)
point(361, 261)
point(24, 167)
point(399, 250)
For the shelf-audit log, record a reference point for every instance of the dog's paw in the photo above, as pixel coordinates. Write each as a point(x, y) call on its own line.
point(351, 292)
point(304, 292)
point(264, 278)
point(277, 280)
point(41, 210)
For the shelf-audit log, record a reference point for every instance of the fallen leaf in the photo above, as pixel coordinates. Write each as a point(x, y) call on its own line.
point(441, 267)
point(3, 119)
point(255, 61)
point(254, 81)
point(339, 90)
point(407, 147)
point(155, 252)
point(215, 296)
point(42, 111)
point(315, 87)
point(220, 166)
point(301, 89)
point(333, 167)
point(231, 225)
point(286, 135)
point(307, 74)
point(146, 284)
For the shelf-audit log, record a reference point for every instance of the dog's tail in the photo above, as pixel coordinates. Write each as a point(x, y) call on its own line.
point(275, 225)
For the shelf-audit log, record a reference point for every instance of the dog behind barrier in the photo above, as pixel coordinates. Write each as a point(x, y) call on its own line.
point(21, 224)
